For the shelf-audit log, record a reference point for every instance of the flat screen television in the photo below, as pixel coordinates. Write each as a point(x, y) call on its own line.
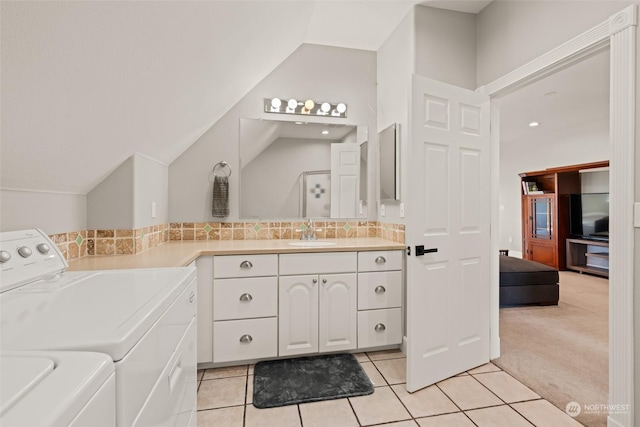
point(589, 216)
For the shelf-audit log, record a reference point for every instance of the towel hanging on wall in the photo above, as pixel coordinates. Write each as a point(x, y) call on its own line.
point(220, 203)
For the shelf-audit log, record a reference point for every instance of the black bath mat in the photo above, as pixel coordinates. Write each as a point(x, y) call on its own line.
point(308, 379)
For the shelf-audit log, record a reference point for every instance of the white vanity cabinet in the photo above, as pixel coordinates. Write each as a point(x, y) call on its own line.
point(317, 303)
point(380, 285)
point(204, 266)
point(245, 307)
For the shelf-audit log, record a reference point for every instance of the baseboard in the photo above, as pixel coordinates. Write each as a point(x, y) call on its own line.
point(403, 346)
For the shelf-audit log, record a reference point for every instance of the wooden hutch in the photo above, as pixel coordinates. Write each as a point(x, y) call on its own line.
point(545, 211)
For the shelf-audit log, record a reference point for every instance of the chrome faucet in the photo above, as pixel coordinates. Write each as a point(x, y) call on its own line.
point(309, 233)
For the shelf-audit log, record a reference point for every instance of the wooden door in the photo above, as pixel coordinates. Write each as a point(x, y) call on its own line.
point(448, 211)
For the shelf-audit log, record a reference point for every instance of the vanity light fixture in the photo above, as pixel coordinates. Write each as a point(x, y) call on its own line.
point(307, 107)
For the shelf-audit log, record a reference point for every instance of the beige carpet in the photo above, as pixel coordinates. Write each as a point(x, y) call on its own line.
point(562, 352)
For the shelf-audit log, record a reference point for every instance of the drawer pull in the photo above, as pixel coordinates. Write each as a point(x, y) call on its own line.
point(246, 297)
point(379, 327)
point(315, 280)
point(192, 296)
point(245, 339)
point(324, 280)
point(246, 264)
point(380, 289)
point(380, 260)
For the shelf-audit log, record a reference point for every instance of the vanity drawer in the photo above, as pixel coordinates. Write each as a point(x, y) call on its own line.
point(318, 263)
point(245, 339)
point(380, 260)
point(379, 290)
point(245, 265)
point(245, 298)
point(379, 327)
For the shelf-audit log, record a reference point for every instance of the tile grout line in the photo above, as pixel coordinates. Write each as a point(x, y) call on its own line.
point(456, 405)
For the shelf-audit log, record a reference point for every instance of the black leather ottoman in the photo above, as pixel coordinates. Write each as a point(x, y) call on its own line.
point(527, 282)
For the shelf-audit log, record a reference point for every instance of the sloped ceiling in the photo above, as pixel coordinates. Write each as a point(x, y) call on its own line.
point(87, 84)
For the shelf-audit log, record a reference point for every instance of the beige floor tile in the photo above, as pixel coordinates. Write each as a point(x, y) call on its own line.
point(251, 367)
point(249, 389)
point(487, 367)
point(462, 374)
point(283, 416)
point(231, 371)
point(221, 393)
point(385, 354)
point(401, 424)
point(373, 374)
point(362, 357)
point(334, 413)
point(497, 416)
point(468, 393)
point(449, 420)
point(393, 370)
point(224, 417)
point(380, 407)
point(543, 414)
point(506, 387)
point(426, 402)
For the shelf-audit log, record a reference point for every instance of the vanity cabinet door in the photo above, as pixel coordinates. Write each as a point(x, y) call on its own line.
point(298, 315)
point(338, 307)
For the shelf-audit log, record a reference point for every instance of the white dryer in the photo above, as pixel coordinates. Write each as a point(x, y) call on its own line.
point(57, 389)
point(143, 319)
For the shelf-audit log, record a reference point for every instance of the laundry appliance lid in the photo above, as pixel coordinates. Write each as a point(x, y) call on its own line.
point(106, 311)
point(49, 388)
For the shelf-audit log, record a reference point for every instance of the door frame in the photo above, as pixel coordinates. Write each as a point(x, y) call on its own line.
point(618, 33)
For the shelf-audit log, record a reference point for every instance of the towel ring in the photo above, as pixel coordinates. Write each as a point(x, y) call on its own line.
point(221, 164)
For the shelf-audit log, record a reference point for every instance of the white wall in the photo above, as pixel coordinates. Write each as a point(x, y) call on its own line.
point(123, 199)
point(270, 188)
point(446, 46)
point(395, 66)
point(150, 185)
point(52, 212)
point(587, 144)
point(312, 71)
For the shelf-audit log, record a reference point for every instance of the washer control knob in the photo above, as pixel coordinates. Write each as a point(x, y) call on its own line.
point(43, 248)
point(24, 252)
point(4, 256)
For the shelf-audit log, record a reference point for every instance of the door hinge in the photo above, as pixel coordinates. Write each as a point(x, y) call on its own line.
point(408, 250)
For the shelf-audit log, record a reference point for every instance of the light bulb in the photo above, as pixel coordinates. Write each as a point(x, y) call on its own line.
point(325, 107)
point(308, 104)
point(292, 104)
point(276, 103)
point(341, 108)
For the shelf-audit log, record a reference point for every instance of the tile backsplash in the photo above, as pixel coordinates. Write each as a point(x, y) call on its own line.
point(83, 243)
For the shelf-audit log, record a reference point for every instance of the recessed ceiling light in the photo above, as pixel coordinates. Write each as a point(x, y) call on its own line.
point(534, 124)
point(325, 132)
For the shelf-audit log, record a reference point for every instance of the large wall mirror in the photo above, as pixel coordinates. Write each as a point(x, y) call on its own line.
point(293, 170)
point(389, 144)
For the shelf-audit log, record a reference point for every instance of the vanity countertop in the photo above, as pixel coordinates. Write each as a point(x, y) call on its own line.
point(181, 253)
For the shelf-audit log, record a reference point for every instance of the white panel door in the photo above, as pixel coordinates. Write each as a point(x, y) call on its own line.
point(298, 315)
point(345, 165)
point(448, 210)
point(338, 308)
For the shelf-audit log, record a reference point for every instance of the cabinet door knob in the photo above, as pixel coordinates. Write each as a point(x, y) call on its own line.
point(324, 280)
point(380, 260)
point(246, 297)
point(245, 339)
point(380, 289)
point(315, 280)
point(246, 264)
point(379, 327)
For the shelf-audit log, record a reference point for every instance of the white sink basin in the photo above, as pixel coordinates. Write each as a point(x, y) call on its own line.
point(312, 243)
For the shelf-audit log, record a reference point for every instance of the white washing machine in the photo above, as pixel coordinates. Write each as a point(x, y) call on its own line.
point(58, 389)
point(143, 319)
